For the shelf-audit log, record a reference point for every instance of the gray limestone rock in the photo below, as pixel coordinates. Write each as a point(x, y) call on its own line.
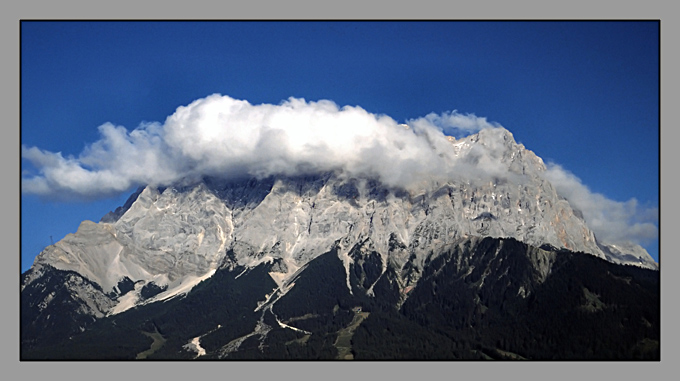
point(179, 236)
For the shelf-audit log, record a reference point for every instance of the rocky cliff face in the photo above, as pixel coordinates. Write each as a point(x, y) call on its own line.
point(475, 298)
point(175, 237)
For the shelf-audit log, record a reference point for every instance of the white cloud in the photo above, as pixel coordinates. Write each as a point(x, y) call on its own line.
point(611, 221)
point(68, 175)
point(226, 137)
point(222, 136)
point(455, 124)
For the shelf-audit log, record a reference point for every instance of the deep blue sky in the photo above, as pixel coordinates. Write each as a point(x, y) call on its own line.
point(581, 94)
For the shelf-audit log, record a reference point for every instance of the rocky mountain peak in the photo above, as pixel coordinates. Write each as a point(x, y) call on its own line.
point(176, 236)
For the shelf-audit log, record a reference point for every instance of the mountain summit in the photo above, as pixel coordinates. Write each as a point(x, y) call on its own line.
point(165, 241)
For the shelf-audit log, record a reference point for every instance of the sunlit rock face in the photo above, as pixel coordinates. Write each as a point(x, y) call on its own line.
point(178, 235)
point(171, 238)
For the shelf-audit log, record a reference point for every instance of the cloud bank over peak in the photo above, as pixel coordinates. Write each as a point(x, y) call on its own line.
point(230, 138)
point(222, 136)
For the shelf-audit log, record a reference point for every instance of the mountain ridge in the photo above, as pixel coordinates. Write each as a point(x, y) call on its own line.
point(176, 236)
point(377, 244)
point(478, 298)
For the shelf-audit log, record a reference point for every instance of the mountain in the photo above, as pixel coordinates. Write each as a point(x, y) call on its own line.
point(309, 263)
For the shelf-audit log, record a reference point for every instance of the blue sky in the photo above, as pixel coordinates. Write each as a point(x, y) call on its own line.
point(583, 95)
